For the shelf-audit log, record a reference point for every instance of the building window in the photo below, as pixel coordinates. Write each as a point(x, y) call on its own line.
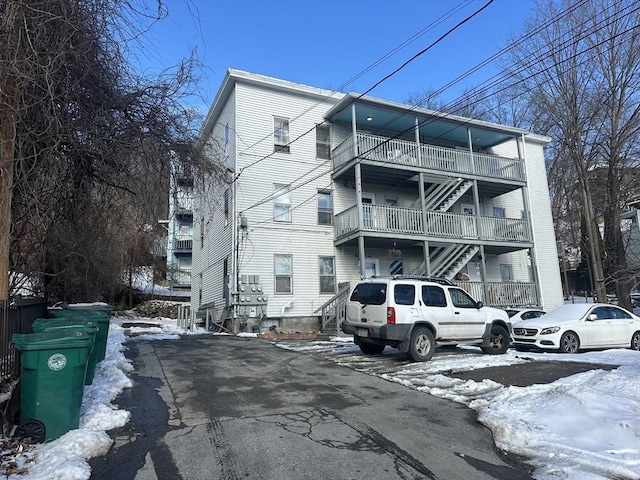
point(506, 273)
point(226, 207)
point(499, 212)
point(327, 275)
point(325, 208)
point(225, 278)
point(201, 232)
point(283, 269)
point(323, 142)
point(280, 135)
point(282, 203)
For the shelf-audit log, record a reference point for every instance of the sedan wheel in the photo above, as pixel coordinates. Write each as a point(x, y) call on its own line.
point(635, 341)
point(569, 343)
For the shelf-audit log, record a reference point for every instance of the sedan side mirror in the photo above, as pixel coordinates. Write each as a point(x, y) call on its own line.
point(479, 305)
point(592, 317)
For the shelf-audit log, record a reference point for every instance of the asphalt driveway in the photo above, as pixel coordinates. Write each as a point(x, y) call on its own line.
point(224, 407)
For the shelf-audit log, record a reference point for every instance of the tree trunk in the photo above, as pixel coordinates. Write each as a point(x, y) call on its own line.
point(7, 143)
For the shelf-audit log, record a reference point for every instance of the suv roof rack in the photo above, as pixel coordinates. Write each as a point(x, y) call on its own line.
point(440, 280)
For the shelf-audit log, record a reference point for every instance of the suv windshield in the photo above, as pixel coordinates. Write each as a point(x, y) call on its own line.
point(370, 293)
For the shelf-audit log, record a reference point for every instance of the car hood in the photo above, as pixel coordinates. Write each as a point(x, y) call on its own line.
point(546, 321)
point(496, 313)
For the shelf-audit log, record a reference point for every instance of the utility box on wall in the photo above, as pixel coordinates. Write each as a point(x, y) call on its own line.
point(251, 299)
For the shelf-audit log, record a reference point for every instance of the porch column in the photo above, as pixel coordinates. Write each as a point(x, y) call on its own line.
point(427, 261)
point(423, 207)
point(483, 273)
point(527, 215)
point(476, 206)
point(358, 183)
point(418, 149)
point(473, 163)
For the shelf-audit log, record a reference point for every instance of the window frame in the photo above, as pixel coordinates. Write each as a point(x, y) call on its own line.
point(281, 200)
point(321, 144)
point(325, 210)
point(325, 276)
point(276, 275)
point(281, 135)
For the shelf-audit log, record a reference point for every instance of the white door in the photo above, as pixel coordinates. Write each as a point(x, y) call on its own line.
point(368, 219)
point(468, 321)
point(371, 267)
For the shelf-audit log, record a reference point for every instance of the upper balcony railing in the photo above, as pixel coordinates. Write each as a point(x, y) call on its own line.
point(404, 152)
point(409, 221)
point(183, 242)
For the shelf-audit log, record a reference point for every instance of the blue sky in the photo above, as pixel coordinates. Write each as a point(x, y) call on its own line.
point(328, 43)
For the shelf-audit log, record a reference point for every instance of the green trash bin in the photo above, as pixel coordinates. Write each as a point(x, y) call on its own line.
point(88, 326)
point(51, 382)
point(101, 317)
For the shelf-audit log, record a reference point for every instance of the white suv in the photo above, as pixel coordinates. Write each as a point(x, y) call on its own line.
point(414, 314)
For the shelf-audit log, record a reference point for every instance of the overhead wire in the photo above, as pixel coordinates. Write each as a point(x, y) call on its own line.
point(451, 30)
point(478, 100)
point(424, 30)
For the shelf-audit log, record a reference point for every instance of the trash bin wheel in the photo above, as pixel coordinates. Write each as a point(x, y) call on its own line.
point(33, 429)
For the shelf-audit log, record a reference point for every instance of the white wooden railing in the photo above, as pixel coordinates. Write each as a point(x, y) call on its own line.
point(503, 294)
point(387, 219)
point(403, 152)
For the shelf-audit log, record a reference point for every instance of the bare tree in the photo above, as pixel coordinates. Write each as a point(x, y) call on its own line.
point(571, 70)
point(85, 144)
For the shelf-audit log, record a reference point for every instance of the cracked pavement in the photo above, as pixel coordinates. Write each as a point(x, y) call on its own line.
point(225, 407)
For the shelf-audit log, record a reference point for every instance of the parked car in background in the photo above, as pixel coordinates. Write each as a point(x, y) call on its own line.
point(573, 327)
point(517, 314)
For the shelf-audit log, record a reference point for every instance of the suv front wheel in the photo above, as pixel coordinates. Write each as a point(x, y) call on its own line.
point(421, 345)
point(498, 341)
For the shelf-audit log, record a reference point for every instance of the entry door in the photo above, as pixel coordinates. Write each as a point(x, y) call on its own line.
point(368, 219)
point(371, 267)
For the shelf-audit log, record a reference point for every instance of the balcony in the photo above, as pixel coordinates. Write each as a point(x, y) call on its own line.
point(385, 151)
point(183, 243)
point(504, 294)
point(383, 219)
point(181, 278)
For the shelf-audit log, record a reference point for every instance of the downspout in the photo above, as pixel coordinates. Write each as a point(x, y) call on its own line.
point(522, 155)
point(358, 179)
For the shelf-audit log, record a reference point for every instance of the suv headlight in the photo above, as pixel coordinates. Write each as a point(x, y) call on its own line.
point(549, 330)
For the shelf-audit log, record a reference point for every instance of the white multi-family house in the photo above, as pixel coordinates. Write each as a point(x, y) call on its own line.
point(325, 188)
point(180, 228)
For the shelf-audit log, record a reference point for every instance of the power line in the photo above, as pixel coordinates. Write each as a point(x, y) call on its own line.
point(507, 77)
point(424, 30)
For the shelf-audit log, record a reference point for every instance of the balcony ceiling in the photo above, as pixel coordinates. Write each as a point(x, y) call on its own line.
point(435, 127)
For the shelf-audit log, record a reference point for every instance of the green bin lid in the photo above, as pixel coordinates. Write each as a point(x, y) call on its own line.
point(42, 324)
point(59, 338)
point(97, 306)
point(98, 316)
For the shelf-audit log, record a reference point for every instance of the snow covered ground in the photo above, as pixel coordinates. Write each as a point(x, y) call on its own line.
point(586, 426)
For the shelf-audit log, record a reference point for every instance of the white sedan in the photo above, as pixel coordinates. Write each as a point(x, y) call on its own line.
point(573, 327)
